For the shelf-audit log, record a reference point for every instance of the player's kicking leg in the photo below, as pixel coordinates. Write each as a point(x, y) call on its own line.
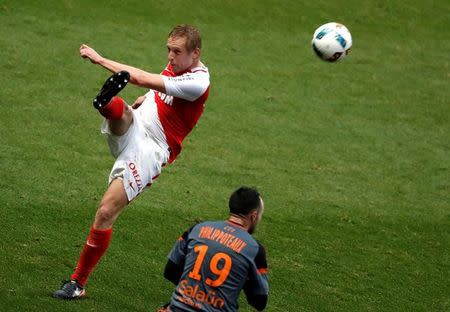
point(113, 108)
point(115, 198)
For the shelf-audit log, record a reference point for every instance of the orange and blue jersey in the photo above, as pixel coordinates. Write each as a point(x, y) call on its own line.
point(219, 259)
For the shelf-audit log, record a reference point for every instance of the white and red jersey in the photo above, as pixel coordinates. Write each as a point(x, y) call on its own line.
point(182, 105)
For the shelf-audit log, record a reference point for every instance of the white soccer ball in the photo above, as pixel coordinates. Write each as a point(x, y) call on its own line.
point(332, 42)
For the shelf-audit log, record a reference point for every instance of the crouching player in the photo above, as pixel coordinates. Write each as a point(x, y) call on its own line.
point(213, 261)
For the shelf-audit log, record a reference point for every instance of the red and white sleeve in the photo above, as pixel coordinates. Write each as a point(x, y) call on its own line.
point(189, 86)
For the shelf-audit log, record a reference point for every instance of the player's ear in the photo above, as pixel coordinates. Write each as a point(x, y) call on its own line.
point(196, 53)
point(254, 215)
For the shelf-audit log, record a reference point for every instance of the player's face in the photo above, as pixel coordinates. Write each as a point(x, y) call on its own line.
point(179, 57)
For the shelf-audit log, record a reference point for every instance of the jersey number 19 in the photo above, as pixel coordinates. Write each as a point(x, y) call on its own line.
point(221, 271)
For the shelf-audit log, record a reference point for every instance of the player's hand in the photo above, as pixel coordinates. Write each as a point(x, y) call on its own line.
point(91, 54)
point(138, 102)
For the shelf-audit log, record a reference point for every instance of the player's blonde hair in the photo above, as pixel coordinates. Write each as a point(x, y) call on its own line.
point(191, 33)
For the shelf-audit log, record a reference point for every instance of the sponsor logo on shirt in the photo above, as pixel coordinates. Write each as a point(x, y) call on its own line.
point(168, 99)
point(195, 297)
point(181, 78)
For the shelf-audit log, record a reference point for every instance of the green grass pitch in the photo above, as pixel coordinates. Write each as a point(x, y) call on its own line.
point(353, 159)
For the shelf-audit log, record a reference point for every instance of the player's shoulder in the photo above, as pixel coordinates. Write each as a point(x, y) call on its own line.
point(186, 233)
point(201, 69)
point(200, 72)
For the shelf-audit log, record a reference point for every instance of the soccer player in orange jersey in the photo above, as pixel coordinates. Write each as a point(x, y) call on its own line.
point(214, 260)
point(144, 136)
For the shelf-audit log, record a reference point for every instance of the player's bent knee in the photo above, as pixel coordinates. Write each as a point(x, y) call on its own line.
point(114, 110)
point(121, 126)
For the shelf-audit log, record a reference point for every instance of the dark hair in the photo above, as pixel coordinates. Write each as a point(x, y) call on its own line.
point(191, 33)
point(244, 200)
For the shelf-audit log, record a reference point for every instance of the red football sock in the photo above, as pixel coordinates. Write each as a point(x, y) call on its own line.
point(94, 249)
point(114, 109)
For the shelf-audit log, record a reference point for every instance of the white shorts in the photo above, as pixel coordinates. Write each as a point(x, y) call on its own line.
point(141, 152)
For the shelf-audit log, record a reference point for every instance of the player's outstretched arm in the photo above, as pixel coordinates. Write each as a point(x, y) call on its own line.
point(137, 76)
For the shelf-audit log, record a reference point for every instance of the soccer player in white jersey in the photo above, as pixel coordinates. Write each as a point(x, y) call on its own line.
point(143, 137)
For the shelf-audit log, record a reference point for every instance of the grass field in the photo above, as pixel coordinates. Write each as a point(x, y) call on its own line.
point(353, 159)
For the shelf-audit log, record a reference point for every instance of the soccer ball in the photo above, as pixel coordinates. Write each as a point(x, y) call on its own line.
point(332, 42)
